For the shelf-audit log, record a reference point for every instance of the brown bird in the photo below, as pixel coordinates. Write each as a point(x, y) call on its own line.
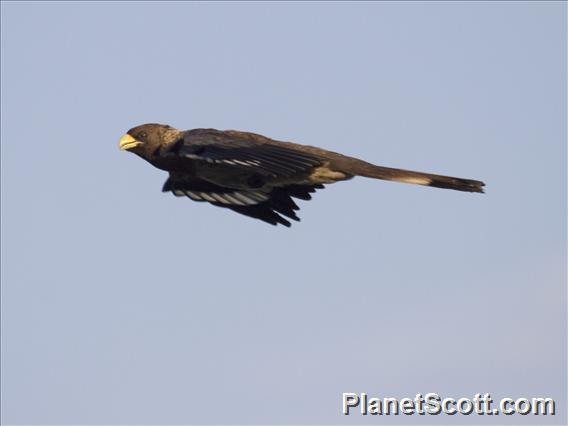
point(255, 175)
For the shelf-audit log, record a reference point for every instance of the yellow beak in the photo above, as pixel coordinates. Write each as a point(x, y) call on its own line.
point(128, 142)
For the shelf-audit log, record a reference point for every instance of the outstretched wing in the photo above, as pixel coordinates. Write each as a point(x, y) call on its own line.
point(247, 151)
point(269, 206)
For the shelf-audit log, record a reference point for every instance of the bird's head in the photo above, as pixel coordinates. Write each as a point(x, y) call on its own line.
point(146, 139)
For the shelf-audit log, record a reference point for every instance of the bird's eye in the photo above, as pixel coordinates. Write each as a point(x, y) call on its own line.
point(143, 135)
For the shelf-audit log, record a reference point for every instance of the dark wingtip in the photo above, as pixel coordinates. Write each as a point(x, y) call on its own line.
point(280, 220)
point(167, 185)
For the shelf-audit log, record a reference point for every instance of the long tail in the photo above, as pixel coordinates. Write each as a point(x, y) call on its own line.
point(362, 168)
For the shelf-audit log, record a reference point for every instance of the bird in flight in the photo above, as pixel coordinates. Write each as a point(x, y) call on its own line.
point(254, 175)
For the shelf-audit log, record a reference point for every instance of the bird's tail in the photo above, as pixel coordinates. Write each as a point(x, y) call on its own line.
point(362, 168)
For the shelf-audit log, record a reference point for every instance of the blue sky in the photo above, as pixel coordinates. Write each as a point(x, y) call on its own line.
point(123, 305)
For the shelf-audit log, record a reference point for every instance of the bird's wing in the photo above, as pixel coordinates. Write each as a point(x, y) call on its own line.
point(244, 150)
point(266, 206)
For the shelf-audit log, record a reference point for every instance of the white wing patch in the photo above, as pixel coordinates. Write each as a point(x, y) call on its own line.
point(238, 198)
point(205, 196)
point(233, 162)
point(247, 163)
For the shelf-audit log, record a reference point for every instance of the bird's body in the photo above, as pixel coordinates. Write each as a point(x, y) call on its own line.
point(255, 175)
